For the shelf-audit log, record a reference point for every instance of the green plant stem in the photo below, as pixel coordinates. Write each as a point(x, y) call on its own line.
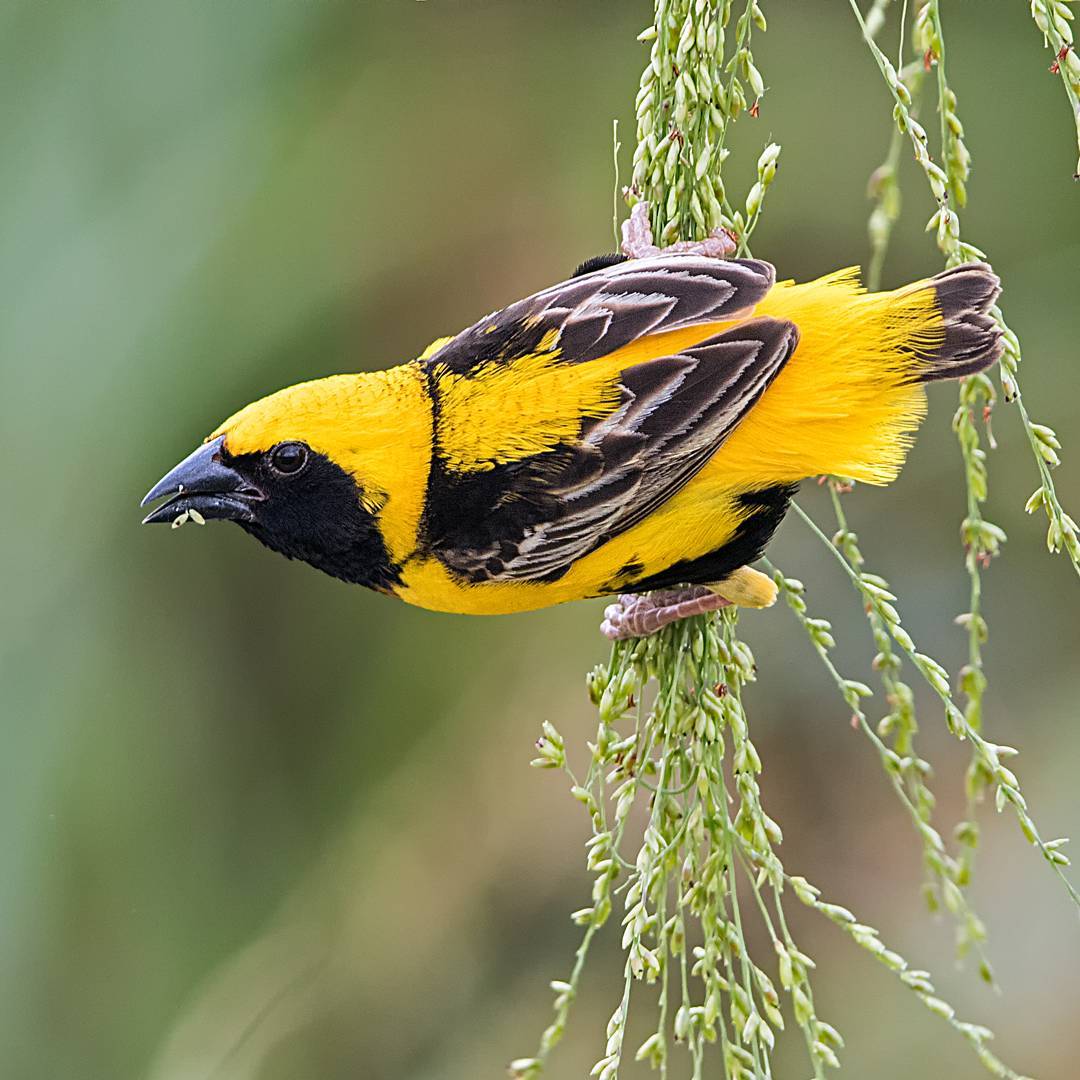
point(989, 754)
point(982, 539)
point(1052, 17)
point(673, 734)
point(905, 772)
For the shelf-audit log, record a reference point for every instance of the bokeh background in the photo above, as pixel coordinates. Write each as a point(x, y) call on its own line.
point(256, 824)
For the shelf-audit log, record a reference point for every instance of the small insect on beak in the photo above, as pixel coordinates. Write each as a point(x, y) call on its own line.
point(203, 487)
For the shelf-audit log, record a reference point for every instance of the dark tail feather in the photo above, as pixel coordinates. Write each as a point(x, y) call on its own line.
point(972, 338)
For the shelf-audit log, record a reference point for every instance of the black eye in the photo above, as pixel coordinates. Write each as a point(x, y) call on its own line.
point(289, 458)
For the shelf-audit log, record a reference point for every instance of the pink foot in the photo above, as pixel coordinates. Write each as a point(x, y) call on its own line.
point(636, 615)
point(637, 241)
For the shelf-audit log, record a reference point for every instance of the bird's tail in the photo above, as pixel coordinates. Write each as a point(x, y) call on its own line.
point(971, 339)
point(850, 397)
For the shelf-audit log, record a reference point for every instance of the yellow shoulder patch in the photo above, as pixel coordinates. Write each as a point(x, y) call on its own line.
point(503, 412)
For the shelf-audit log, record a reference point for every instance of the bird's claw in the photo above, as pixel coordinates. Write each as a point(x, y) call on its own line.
point(638, 615)
point(637, 239)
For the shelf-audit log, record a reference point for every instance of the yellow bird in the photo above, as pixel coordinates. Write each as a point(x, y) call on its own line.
point(638, 428)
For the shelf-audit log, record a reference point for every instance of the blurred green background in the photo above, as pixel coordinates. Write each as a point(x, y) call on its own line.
point(256, 824)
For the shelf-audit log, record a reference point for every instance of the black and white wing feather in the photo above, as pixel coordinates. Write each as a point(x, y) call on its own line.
point(531, 519)
point(596, 313)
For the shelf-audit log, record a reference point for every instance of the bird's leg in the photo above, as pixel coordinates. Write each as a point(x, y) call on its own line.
point(637, 239)
point(640, 614)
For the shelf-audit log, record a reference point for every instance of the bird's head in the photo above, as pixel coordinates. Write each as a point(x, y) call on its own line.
point(290, 470)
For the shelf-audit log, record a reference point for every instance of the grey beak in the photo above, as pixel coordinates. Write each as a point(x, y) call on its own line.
point(203, 482)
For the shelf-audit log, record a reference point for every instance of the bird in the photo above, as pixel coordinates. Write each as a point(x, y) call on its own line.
point(637, 430)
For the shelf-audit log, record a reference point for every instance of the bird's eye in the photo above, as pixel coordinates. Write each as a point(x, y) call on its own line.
point(289, 458)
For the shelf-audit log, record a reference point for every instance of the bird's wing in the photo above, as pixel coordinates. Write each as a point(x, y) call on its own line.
point(527, 513)
point(593, 314)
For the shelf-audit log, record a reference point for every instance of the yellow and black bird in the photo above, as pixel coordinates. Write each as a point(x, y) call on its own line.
point(641, 426)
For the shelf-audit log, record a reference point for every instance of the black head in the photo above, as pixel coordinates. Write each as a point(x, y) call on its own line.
point(290, 498)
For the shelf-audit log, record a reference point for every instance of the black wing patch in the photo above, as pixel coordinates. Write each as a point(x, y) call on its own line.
point(530, 520)
point(605, 308)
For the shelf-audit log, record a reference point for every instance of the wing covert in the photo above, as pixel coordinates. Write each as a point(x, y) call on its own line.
point(594, 314)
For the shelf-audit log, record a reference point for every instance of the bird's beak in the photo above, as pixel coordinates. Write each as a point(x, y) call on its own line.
point(203, 486)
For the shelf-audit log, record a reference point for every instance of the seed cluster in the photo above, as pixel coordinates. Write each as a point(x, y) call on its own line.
point(690, 93)
point(982, 539)
point(673, 756)
point(1054, 20)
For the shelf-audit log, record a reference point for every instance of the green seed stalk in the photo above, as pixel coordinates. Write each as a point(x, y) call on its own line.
point(673, 738)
